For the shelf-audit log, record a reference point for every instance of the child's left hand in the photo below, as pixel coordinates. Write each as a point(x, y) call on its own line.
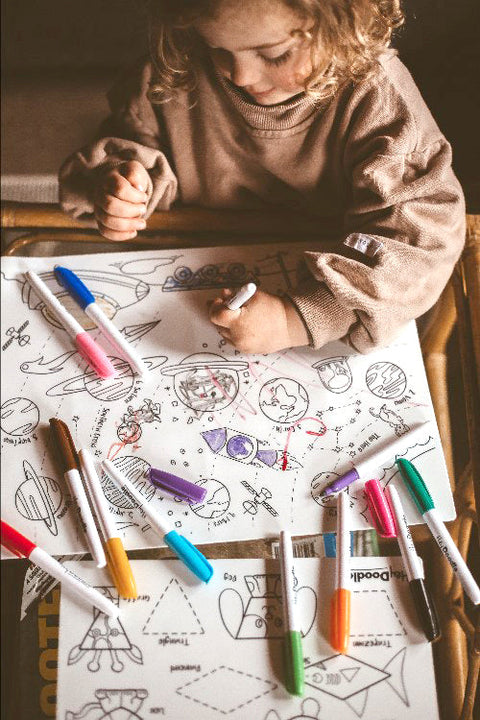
point(265, 324)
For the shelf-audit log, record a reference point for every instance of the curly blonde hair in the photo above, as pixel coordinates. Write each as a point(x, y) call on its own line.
point(346, 39)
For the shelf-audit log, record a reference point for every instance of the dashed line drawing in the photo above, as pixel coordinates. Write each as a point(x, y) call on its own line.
point(386, 380)
point(388, 622)
point(173, 614)
point(262, 616)
point(244, 689)
point(206, 381)
point(17, 335)
point(123, 704)
point(39, 498)
point(350, 680)
point(105, 635)
point(19, 416)
point(283, 400)
point(335, 374)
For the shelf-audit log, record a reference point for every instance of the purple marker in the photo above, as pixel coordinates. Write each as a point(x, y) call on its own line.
point(177, 486)
point(366, 468)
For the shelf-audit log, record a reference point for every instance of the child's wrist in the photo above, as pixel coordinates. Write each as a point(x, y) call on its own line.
point(296, 327)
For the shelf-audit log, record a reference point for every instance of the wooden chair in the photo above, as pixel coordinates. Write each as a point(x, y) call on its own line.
point(457, 654)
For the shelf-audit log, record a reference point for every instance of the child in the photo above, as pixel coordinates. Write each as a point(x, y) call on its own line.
point(291, 103)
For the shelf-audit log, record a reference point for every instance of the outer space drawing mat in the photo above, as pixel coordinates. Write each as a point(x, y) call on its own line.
point(184, 649)
point(263, 434)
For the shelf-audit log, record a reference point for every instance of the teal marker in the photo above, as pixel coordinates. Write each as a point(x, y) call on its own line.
point(294, 665)
point(183, 548)
point(423, 500)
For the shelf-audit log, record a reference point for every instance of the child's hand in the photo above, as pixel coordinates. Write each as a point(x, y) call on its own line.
point(266, 323)
point(120, 201)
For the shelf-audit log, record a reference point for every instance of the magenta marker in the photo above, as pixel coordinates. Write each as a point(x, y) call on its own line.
point(86, 346)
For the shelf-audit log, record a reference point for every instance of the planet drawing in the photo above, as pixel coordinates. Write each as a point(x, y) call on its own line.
point(38, 498)
point(216, 502)
point(386, 380)
point(283, 400)
point(206, 382)
point(19, 416)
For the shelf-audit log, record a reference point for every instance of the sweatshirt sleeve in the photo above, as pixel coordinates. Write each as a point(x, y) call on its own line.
point(404, 223)
point(131, 132)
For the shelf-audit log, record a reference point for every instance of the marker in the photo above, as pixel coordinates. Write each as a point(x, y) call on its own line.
point(295, 668)
point(423, 500)
point(21, 546)
point(380, 510)
point(82, 295)
point(68, 458)
point(367, 467)
point(340, 603)
point(117, 559)
point(86, 346)
point(413, 567)
point(240, 298)
point(182, 547)
point(177, 486)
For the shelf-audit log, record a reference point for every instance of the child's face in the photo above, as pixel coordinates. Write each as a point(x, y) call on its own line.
point(251, 44)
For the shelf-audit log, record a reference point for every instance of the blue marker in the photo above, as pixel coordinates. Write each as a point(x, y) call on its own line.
point(82, 295)
point(182, 547)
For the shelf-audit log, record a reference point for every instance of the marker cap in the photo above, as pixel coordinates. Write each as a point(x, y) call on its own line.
point(192, 557)
point(68, 279)
point(342, 482)
point(425, 608)
point(119, 566)
point(177, 486)
point(416, 486)
point(95, 356)
point(14, 541)
point(380, 510)
point(294, 665)
point(340, 620)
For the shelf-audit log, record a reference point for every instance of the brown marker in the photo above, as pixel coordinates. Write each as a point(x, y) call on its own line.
point(68, 458)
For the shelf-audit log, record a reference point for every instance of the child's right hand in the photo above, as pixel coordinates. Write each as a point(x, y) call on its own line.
point(120, 201)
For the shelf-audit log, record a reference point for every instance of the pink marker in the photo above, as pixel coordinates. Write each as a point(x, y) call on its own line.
point(380, 510)
point(87, 347)
point(22, 547)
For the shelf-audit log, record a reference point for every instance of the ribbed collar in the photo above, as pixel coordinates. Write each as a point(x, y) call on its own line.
point(279, 120)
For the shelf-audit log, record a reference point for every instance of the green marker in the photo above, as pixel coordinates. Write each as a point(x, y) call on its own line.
point(295, 669)
point(423, 500)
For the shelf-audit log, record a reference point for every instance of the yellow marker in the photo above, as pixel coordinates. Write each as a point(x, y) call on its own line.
point(117, 559)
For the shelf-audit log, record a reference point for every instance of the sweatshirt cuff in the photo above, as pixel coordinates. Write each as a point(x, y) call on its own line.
point(324, 318)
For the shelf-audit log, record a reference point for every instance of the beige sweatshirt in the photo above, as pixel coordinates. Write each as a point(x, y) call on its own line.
point(372, 158)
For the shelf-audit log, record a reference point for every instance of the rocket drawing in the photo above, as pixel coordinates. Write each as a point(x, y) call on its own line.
point(247, 449)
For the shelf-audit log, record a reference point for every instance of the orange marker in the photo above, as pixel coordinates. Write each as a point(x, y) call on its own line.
point(340, 603)
point(117, 559)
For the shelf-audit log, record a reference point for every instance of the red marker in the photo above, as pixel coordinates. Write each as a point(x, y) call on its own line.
point(21, 546)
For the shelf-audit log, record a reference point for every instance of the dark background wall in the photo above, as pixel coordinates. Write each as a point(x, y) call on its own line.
point(440, 44)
